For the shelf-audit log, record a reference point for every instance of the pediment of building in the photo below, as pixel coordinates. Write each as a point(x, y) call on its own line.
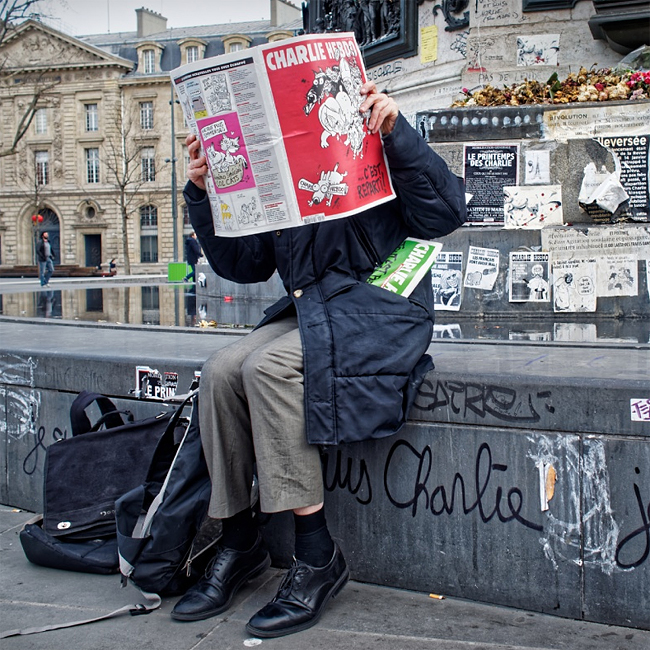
point(36, 46)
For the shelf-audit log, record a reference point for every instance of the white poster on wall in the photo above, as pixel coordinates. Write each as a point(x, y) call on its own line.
point(482, 268)
point(538, 49)
point(538, 166)
point(618, 275)
point(533, 207)
point(574, 285)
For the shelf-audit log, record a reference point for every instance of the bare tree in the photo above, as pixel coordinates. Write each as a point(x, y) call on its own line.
point(10, 12)
point(122, 159)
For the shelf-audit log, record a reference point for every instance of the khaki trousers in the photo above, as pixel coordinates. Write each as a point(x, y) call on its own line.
point(251, 410)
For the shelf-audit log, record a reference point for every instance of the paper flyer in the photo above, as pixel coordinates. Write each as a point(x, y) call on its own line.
point(405, 267)
point(534, 207)
point(447, 280)
point(482, 268)
point(574, 285)
point(280, 127)
point(529, 277)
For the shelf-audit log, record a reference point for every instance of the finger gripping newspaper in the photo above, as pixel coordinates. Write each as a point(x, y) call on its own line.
point(281, 130)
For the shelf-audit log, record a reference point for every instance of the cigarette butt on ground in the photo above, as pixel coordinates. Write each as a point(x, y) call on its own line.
point(436, 596)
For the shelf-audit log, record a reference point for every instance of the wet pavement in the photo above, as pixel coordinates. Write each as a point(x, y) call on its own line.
point(151, 300)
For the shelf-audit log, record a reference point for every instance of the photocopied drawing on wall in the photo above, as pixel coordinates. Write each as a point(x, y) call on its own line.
point(447, 280)
point(538, 167)
point(529, 277)
point(532, 207)
point(482, 268)
point(281, 129)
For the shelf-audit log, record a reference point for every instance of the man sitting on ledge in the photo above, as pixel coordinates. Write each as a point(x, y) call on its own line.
point(336, 360)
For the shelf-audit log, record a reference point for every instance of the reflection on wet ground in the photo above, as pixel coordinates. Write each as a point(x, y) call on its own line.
point(174, 305)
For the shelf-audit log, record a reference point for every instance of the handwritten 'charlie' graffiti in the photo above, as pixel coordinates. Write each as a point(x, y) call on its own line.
point(361, 488)
point(501, 402)
point(643, 532)
point(438, 500)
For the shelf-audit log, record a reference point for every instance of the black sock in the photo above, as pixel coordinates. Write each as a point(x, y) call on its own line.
point(240, 531)
point(314, 545)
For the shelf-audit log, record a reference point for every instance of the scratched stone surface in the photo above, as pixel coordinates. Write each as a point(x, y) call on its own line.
point(617, 531)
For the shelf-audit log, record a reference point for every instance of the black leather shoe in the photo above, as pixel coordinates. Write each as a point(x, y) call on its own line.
point(301, 598)
point(224, 577)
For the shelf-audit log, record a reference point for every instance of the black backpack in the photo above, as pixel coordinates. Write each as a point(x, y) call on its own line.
point(158, 521)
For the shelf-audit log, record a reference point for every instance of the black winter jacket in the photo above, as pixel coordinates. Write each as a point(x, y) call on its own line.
point(364, 347)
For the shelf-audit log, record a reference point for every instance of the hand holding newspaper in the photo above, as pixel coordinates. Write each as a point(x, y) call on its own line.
point(281, 130)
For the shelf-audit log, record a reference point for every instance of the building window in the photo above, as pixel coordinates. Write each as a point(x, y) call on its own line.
point(40, 121)
point(42, 164)
point(235, 47)
point(186, 217)
point(149, 61)
point(148, 233)
point(92, 165)
point(146, 115)
point(192, 53)
point(148, 165)
point(149, 216)
point(92, 117)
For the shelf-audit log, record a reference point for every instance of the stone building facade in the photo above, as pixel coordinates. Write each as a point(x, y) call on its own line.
point(106, 105)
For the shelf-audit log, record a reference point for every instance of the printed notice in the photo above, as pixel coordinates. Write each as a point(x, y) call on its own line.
point(488, 169)
point(633, 153)
point(428, 44)
point(591, 122)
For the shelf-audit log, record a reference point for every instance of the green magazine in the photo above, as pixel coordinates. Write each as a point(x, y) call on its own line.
point(406, 266)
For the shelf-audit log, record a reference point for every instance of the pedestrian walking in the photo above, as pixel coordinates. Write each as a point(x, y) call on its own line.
point(192, 255)
point(45, 256)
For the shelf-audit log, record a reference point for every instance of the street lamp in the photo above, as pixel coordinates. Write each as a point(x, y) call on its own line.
point(173, 161)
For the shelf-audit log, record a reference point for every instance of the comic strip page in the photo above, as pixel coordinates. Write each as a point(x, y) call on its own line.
point(281, 130)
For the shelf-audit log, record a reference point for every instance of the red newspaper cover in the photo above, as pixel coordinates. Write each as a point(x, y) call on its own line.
point(336, 165)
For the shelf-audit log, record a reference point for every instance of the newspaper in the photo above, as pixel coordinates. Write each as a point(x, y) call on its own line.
point(281, 130)
point(405, 267)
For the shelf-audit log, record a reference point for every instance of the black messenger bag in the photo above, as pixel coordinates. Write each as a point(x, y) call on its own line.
point(85, 475)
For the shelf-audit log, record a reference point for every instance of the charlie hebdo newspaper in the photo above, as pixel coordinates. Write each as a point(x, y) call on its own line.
point(281, 129)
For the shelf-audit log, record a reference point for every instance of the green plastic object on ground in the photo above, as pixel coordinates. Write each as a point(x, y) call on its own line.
point(176, 271)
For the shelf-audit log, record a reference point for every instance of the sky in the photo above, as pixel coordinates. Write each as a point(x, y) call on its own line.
point(80, 17)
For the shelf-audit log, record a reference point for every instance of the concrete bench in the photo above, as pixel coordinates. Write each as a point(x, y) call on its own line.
point(522, 478)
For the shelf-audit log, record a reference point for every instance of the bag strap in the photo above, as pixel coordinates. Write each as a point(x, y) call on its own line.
point(152, 601)
point(78, 418)
point(143, 525)
point(106, 419)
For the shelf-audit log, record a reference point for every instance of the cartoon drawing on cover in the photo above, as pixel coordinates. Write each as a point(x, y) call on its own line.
point(216, 93)
point(249, 213)
point(330, 184)
point(227, 166)
point(336, 89)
